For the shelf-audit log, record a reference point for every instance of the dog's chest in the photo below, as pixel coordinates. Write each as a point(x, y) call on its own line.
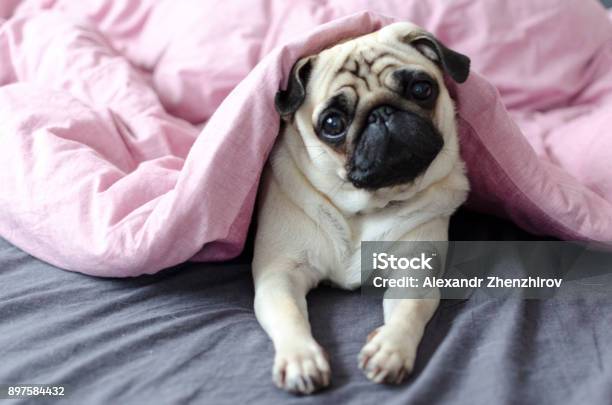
point(338, 255)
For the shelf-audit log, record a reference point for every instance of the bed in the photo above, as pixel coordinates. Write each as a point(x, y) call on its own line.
point(189, 335)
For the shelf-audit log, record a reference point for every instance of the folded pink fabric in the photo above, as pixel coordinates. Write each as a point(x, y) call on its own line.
point(133, 134)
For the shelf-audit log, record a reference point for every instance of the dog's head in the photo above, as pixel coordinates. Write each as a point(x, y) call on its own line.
point(374, 110)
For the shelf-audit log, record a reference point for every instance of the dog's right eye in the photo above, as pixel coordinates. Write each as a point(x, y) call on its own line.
point(333, 126)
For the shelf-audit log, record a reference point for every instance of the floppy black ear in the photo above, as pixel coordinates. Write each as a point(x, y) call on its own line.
point(288, 101)
point(455, 64)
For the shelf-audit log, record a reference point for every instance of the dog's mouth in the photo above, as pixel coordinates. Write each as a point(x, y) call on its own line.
point(394, 148)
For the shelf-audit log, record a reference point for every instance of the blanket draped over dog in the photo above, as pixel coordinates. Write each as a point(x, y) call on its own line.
point(133, 133)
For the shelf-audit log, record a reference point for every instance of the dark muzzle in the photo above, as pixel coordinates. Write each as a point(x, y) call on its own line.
point(395, 147)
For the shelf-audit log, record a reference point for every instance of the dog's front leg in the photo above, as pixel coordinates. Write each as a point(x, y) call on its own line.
point(300, 364)
point(390, 351)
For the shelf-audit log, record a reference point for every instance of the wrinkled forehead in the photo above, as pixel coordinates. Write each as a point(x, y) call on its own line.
point(361, 65)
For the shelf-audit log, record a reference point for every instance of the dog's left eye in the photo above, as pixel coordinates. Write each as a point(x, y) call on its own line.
point(333, 126)
point(421, 90)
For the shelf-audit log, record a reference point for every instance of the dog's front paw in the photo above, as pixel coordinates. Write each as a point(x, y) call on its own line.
point(301, 367)
point(388, 356)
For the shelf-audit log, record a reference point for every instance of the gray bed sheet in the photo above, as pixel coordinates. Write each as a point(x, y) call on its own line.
point(189, 335)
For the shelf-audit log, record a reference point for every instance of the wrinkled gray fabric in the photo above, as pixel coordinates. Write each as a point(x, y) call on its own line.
point(188, 335)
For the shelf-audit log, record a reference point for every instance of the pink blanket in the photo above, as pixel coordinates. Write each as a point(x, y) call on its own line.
point(133, 133)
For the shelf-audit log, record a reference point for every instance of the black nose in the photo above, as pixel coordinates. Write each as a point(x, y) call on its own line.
point(381, 114)
point(394, 147)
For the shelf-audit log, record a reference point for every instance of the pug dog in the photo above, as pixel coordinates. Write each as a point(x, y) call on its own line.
point(367, 151)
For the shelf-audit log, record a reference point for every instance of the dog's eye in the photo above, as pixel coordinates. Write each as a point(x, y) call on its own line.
point(333, 125)
point(421, 90)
